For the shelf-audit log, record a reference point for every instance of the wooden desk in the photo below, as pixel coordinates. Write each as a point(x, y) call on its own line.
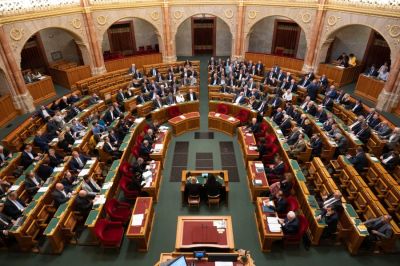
point(144, 109)
point(7, 109)
point(375, 144)
point(219, 96)
point(185, 122)
point(162, 142)
point(265, 235)
point(248, 144)
point(257, 181)
point(68, 77)
point(161, 115)
point(202, 180)
point(138, 60)
point(199, 232)
point(233, 109)
point(141, 233)
point(340, 75)
point(153, 188)
point(224, 123)
point(166, 257)
point(369, 87)
point(41, 90)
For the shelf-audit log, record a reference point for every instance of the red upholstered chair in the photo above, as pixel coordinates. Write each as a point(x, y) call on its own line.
point(243, 116)
point(222, 108)
point(125, 169)
point(292, 204)
point(129, 194)
point(135, 151)
point(272, 150)
point(110, 234)
point(263, 129)
point(297, 238)
point(145, 128)
point(173, 111)
point(270, 139)
point(118, 211)
point(139, 140)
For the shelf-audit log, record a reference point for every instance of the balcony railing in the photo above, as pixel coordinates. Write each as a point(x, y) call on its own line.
point(15, 7)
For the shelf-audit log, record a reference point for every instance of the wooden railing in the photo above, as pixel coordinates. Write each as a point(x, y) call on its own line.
point(68, 77)
point(7, 110)
point(288, 63)
point(41, 90)
point(369, 87)
point(340, 75)
point(138, 60)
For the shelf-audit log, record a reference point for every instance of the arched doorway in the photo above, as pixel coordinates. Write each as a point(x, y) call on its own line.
point(51, 45)
point(130, 36)
point(277, 35)
point(368, 45)
point(203, 34)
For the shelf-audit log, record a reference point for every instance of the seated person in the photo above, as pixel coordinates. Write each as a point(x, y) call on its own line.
point(78, 161)
point(41, 141)
point(63, 143)
point(192, 187)
point(4, 155)
point(352, 60)
point(307, 128)
point(69, 181)
point(293, 137)
point(150, 136)
point(139, 166)
point(393, 140)
point(298, 147)
point(365, 133)
point(342, 144)
point(383, 75)
point(290, 225)
point(379, 229)
point(390, 160)
point(278, 116)
point(145, 150)
point(212, 186)
point(331, 218)
point(6, 223)
point(110, 149)
point(280, 203)
point(316, 145)
point(13, 207)
point(383, 130)
point(90, 186)
point(254, 126)
point(286, 124)
point(277, 169)
point(83, 203)
point(359, 161)
point(333, 200)
point(28, 156)
point(54, 158)
point(285, 185)
point(61, 195)
point(32, 183)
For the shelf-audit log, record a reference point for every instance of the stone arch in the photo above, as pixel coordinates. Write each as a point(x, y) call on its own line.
point(104, 19)
point(225, 13)
point(19, 33)
point(335, 22)
point(254, 23)
point(304, 17)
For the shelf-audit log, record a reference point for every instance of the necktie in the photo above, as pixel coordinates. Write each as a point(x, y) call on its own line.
point(18, 205)
point(79, 162)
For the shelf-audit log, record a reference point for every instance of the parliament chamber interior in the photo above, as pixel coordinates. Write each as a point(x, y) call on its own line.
point(170, 132)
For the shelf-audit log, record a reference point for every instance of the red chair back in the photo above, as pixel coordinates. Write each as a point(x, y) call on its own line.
point(243, 115)
point(173, 111)
point(293, 204)
point(222, 108)
point(124, 168)
point(100, 227)
point(111, 205)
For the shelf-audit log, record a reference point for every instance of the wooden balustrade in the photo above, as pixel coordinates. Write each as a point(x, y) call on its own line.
point(7, 110)
point(138, 60)
point(69, 76)
point(41, 90)
point(369, 87)
point(340, 75)
point(287, 63)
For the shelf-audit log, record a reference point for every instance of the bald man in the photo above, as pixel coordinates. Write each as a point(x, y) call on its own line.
point(61, 194)
point(290, 225)
point(83, 202)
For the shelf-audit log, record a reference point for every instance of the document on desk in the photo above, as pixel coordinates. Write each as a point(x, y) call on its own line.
point(147, 174)
point(43, 189)
point(259, 167)
point(182, 117)
point(91, 162)
point(221, 224)
point(107, 185)
point(137, 219)
point(252, 148)
point(78, 141)
point(158, 147)
point(147, 182)
point(223, 263)
point(84, 172)
point(99, 200)
point(272, 220)
point(217, 115)
point(14, 187)
point(275, 228)
point(138, 120)
point(231, 119)
point(58, 169)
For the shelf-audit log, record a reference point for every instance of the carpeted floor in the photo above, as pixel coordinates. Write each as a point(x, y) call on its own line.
point(169, 207)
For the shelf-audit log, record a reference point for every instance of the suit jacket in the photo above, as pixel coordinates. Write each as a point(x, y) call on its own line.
point(278, 118)
point(321, 116)
point(59, 197)
point(292, 227)
point(74, 165)
point(120, 97)
point(41, 142)
point(364, 134)
point(213, 190)
point(331, 222)
point(109, 117)
point(30, 185)
point(241, 101)
point(276, 102)
point(108, 148)
point(358, 110)
point(5, 153)
point(312, 91)
point(299, 146)
point(384, 229)
point(311, 110)
point(316, 146)
point(359, 161)
point(193, 189)
point(145, 151)
point(391, 163)
point(83, 204)
point(328, 103)
point(55, 160)
point(11, 210)
point(285, 126)
point(157, 104)
point(26, 160)
point(293, 138)
point(5, 224)
point(280, 205)
point(188, 96)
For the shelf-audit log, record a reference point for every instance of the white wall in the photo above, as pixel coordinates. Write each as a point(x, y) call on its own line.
point(262, 33)
point(351, 39)
point(55, 40)
point(223, 39)
point(183, 39)
point(145, 34)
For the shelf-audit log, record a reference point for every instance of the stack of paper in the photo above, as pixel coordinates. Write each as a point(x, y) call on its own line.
point(107, 185)
point(182, 116)
point(217, 115)
point(147, 182)
point(259, 167)
point(84, 172)
point(221, 224)
point(257, 182)
point(137, 219)
point(158, 147)
point(78, 141)
point(91, 161)
point(231, 118)
point(272, 220)
point(58, 169)
point(249, 134)
point(275, 228)
point(163, 128)
point(147, 174)
point(252, 148)
point(14, 187)
point(138, 120)
point(99, 200)
point(223, 263)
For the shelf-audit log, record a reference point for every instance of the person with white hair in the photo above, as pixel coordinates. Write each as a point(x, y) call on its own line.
point(290, 225)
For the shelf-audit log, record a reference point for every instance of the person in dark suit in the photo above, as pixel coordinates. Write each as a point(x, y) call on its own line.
point(342, 144)
point(276, 102)
point(5, 154)
point(240, 98)
point(28, 156)
point(45, 112)
point(54, 158)
point(373, 120)
point(93, 99)
point(331, 219)
point(312, 90)
point(383, 130)
point(83, 203)
point(290, 225)
point(278, 168)
point(372, 71)
point(333, 200)
point(364, 133)
point(310, 108)
point(379, 228)
point(61, 194)
point(278, 116)
point(6, 223)
point(41, 142)
point(307, 128)
point(63, 103)
point(357, 108)
point(139, 166)
point(304, 82)
point(293, 137)
point(359, 160)
point(321, 115)
point(78, 161)
point(109, 116)
point(316, 145)
point(212, 186)
point(157, 102)
point(13, 207)
point(253, 127)
point(280, 202)
point(110, 149)
point(191, 95)
point(68, 181)
point(328, 103)
point(286, 125)
point(32, 183)
point(145, 150)
point(192, 187)
point(390, 160)
point(120, 96)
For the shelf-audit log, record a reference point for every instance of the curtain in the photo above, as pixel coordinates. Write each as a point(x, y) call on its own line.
point(286, 39)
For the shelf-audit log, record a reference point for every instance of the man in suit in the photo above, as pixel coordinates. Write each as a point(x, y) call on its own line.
point(4, 155)
point(383, 130)
point(45, 112)
point(278, 168)
point(292, 138)
point(372, 71)
point(298, 147)
point(321, 115)
point(390, 160)
point(240, 98)
point(278, 116)
point(54, 158)
point(109, 116)
point(145, 150)
point(13, 207)
point(192, 187)
point(61, 194)
point(328, 103)
point(290, 225)
point(379, 228)
point(365, 133)
point(28, 156)
point(292, 86)
point(259, 68)
point(157, 103)
point(393, 139)
point(6, 223)
point(83, 203)
point(280, 76)
point(120, 97)
point(331, 219)
point(312, 90)
point(74, 98)
point(372, 118)
point(93, 99)
point(323, 82)
point(356, 126)
point(253, 127)
point(316, 145)
point(304, 82)
point(191, 95)
point(153, 72)
point(359, 160)
point(110, 149)
point(139, 166)
point(171, 99)
point(63, 103)
point(342, 144)
point(78, 161)
point(286, 125)
point(32, 183)
point(358, 108)
point(276, 102)
point(333, 200)
point(311, 109)
point(280, 203)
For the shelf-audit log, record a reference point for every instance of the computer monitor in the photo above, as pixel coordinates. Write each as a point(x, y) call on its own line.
point(212, 257)
point(199, 254)
point(180, 261)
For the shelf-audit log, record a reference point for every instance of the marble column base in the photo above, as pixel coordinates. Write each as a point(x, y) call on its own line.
point(98, 70)
point(24, 103)
point(238, 57)
point(169, 59)
point(308, 68)
point(387, 101)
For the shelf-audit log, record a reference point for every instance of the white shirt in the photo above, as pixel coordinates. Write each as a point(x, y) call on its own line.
point(238, 99)
point(287, 96)
point(180, 98)
point(385, 161)
point(18, 205)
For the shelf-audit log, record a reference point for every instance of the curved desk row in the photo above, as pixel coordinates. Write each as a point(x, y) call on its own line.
point(162, 114)
point(233, 109)
point(224, 123)
point(185, 122)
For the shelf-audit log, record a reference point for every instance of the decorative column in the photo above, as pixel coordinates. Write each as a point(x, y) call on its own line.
point(99, 67)
point(168, 55)
point(23, 100)
point(239, 31)
point(311, 55)
point(390, 95)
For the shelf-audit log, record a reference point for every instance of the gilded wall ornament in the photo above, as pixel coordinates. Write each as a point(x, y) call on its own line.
point(178, 14)
point(306, 17)
point(228, 13)
point(101, 20)
point(332, 20)
point(76, 23)
point(252, 14)
point(393, 30)
point(155, 15)
point(16, 34)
